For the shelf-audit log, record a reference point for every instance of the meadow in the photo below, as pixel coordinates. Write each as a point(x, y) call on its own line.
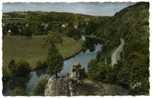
point(34, 49)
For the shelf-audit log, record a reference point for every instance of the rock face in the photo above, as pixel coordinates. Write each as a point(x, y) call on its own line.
point(61, 87)
point(57, 87)
point(75, 85)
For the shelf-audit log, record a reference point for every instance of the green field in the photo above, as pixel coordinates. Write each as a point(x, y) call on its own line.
point(34, 49)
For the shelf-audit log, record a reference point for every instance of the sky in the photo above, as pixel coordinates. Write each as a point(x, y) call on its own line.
point(94, 8)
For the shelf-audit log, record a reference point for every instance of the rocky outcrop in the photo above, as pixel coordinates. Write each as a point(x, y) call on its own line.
point(57, 87)
point(61, 87)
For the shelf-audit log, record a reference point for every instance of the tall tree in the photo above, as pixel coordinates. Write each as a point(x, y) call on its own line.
point(54, 59)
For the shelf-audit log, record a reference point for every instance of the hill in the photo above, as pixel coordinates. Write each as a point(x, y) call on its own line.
point(132, 70)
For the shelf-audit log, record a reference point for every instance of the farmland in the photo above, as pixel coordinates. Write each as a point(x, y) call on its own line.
point(34, 49)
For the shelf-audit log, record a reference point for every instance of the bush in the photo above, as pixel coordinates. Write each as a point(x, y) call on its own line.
point(41, 64)
point(22, 68)
point(40, 87)
point(99, 71)
point(16, 74)
point(6, 71)
point(18, 91)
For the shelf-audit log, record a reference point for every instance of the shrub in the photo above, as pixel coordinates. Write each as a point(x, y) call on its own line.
point(16, 74)
point(18, 91)
point(22, 68)
point(41, 64)
point(40, 87)
point(100, 71)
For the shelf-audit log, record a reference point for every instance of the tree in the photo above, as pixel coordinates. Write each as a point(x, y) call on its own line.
point(12, 66)
point(18, 68)
point(100, 71)
point(54, 59)
point(54, 37)
point(22, 68)
point(28, 30)
point(16, 74)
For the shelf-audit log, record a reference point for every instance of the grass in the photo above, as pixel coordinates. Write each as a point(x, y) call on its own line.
point(33, 49)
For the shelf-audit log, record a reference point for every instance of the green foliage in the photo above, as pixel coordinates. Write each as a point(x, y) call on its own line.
point(15, 77)
point(6, 71)
point(136, 54)
point(40, 87)
point(99, 71)
point(89, 44)
point(7, 74)
point(18, 91)
point(54, 37)
point(22, 68)
point(41, 64)
point(16, 69)
point(40, 23)
point(28, 30)
point(132, 71)
point(54, 60)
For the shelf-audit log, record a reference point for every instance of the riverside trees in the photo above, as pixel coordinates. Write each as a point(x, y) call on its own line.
point(15, 77)
point(54, 58)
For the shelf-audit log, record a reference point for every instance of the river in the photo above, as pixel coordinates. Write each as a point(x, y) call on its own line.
point(83, 58)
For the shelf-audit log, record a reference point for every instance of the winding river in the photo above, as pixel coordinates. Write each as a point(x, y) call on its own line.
point(83, 58)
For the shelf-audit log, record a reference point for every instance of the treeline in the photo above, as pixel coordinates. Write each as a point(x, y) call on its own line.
point(132, 71)
point(40, 23)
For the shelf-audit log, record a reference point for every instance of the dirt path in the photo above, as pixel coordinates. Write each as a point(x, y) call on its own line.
point(116, 54)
